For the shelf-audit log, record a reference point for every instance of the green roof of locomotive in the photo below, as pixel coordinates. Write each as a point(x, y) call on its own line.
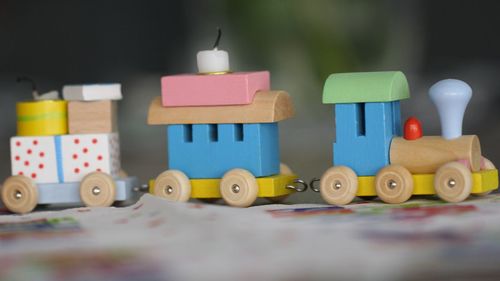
point(363, 87)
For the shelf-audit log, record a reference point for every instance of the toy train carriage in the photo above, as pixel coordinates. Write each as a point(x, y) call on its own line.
point(67, 152)
point(372, 159)
point(228, 151)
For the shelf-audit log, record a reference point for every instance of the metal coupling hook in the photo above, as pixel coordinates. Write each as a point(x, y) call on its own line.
point(313, 185)
point(299, 185)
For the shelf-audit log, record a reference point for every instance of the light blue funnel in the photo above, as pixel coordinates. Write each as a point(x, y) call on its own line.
point(451, 97)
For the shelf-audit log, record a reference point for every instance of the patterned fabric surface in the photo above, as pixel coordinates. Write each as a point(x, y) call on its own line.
point(154, 239)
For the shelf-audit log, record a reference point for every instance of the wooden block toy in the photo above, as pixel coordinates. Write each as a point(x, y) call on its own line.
point(267, 107)
point(35, 158)
point(91, 117)
point(92, 92)
point(238, 187)
point(86, 153)
point(426, 154)
point(206, 90)
point(372, 160)
point(210, 150)
point(42, 118)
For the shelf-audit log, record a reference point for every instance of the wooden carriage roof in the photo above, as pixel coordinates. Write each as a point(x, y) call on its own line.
point(267, 107)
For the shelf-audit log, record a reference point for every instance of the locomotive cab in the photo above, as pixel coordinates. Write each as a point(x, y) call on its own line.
point(367, 117)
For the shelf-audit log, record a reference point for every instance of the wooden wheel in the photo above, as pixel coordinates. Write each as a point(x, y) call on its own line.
point(284, 170)
point(394, 184)
point(19, 194)
point(173, 185)
point(97, 189)
point(338, 185)
point(239, 188)
point(453, 182)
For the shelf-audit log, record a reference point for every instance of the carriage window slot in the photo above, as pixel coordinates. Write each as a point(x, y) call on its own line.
point(188, 133)
point(360, 119)
point(396, 119)
point(213, 132)
point(238, 132)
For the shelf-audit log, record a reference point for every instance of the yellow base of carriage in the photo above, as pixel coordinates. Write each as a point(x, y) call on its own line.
point(238, 187)
point(275, 188)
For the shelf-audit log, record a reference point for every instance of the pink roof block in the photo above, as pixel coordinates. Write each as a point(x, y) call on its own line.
point(205, 90)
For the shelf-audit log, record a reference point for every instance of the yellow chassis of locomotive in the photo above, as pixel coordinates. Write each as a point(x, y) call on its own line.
point(482, 182)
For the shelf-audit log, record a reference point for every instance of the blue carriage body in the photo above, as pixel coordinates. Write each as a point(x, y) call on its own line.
point(210, 150)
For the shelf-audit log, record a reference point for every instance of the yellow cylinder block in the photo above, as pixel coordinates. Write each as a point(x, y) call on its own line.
point(42, 118)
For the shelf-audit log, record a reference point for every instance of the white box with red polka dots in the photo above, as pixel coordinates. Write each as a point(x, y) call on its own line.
point(86, 153)
point(65, 158)
point(34, 157)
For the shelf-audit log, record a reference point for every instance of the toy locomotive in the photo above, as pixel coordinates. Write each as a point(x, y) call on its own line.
point(372, 159)
point(222, 130)
point(67, 151)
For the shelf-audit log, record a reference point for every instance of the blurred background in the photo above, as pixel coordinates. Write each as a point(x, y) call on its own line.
point(299, 42)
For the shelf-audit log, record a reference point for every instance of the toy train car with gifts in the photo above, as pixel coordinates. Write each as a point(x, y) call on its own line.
point(372, 157)
point(67, 152)
point(223, 141)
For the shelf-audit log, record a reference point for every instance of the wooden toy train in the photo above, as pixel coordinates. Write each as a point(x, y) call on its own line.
point(223, 142)
point(372, 159)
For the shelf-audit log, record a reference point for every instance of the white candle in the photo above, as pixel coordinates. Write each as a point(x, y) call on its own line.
point(212, 61)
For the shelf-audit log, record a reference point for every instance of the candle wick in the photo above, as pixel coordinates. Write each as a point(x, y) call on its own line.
point(219, 34)
point(27, 79)
point(33, 85)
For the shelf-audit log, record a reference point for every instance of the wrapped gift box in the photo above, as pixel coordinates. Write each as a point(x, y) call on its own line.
point(35, 157)
point(86, 153)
